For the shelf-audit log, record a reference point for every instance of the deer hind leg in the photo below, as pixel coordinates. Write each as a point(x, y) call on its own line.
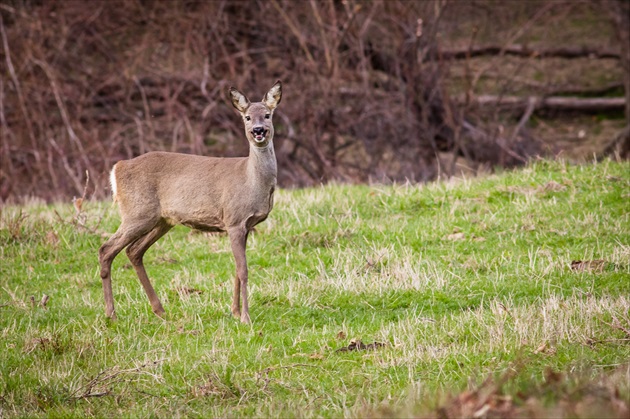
point(236, 298)
point(238, 240)
point(127, 233)
point(135, 253)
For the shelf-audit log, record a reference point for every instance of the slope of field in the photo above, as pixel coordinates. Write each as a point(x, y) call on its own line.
point(506, 293)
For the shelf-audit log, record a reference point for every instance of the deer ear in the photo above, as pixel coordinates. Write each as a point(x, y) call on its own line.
point(239, 100)
point(273, 96)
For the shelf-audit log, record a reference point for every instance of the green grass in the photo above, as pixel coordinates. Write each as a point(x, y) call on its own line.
point(462, 280)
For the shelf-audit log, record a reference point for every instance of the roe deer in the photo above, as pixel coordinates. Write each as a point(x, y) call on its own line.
point(158, 190)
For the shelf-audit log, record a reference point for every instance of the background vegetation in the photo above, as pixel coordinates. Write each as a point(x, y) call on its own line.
point(503, 296)
point(375, 90)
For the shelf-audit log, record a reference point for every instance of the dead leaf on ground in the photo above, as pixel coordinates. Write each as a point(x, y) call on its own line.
point(546, 349)
point(165, 259)
point(552, 186)
point(183, 331)
point(541, 348)
point(357, 345)
point(204, 390)
point(52, 238)
point(552, 376)
point(456, 236)
point(42, 343)
point(596, 265)
point(188, 291)
point(591, 342)
point(341, 335)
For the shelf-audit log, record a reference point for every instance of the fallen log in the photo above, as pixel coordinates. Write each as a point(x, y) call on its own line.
point(559, 103)
point(525, 51)
point(581, 91)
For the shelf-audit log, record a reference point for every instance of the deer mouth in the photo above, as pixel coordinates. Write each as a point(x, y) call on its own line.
point(260, 137)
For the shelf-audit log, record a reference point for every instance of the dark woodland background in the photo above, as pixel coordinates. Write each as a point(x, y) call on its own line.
point(374, 91)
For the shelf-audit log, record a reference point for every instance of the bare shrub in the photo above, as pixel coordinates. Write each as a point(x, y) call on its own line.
point(86, 84)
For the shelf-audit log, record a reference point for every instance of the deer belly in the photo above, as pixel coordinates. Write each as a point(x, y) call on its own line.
point(200, 221)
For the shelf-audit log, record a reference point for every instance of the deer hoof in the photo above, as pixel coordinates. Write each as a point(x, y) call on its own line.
point(159, 312)
point(245, 318)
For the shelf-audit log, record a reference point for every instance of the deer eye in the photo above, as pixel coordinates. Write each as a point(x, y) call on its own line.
point(267, 116)
point(249, 118)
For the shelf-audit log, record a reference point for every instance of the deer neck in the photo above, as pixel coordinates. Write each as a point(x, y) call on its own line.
point(262, 169)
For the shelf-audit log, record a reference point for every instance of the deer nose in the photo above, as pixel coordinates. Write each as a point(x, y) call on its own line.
point(258, 130)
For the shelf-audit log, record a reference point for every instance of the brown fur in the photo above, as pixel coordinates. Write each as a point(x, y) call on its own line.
point(158, 190)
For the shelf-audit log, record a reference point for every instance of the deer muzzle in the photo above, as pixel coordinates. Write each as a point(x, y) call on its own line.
point(259, 134)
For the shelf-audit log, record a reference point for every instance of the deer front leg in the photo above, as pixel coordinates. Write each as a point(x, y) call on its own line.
point(236, 298)
point(238, 240)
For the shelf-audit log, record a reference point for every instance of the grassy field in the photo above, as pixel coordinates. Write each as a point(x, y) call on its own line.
point(502, 295)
